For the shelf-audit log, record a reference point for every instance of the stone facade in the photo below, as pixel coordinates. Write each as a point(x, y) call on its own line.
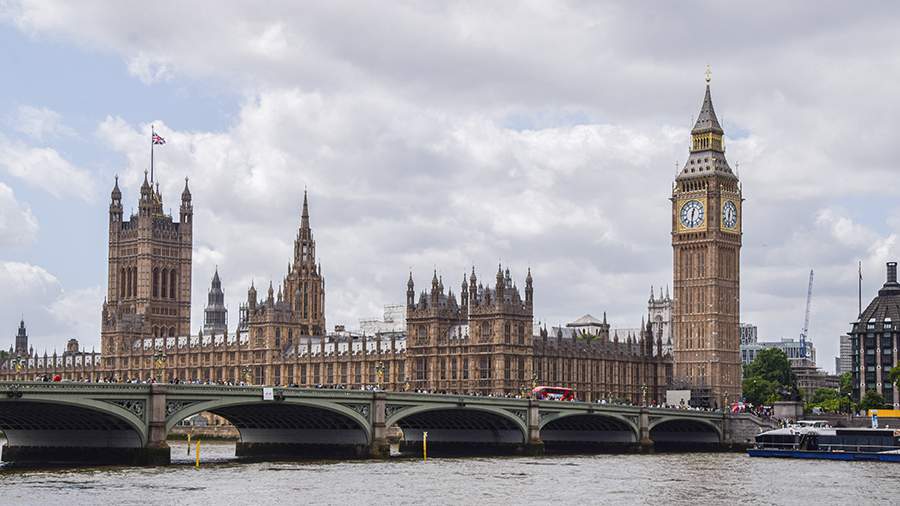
point(706, 243)
point(483, 344)
point(875, 342)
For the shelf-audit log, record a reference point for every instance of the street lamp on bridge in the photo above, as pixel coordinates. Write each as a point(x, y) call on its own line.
point(159, 363)
point(245, 373)
point(379, 374)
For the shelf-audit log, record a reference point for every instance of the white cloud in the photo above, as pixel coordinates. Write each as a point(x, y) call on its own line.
point(52, 315)
point(18, 226)
point(540, 134)
point(46, 169)
point(39, 122)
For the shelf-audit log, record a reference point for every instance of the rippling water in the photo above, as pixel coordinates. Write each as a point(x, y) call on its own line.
point(692, 478)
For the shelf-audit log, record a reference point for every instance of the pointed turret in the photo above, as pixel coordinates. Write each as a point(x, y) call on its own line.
point(187, 209)
point(707, 120)
point(707, 145)
point(529, 290)
point(410, 292)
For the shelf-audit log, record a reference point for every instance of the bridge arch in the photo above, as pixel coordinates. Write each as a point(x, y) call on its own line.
point(461, 428)
point(57, 430)
point(580, 430)
point(691, 433)
point(289, 427)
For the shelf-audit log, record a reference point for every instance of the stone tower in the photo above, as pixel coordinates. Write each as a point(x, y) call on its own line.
point(21, 340)
point(215, 320)
point(706, 243)
point(149, 288)
point(304, 286)
point(483, 343)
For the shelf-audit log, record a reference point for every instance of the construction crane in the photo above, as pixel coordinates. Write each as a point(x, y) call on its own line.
point(803, 332)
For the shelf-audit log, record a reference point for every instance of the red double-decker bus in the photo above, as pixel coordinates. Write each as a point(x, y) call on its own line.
point(545, 393)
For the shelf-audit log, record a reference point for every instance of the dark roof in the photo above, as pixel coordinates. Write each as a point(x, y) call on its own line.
point(887, 303)
point(707, 120)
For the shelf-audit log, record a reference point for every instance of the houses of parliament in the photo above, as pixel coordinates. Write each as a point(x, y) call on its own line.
point(480, 340)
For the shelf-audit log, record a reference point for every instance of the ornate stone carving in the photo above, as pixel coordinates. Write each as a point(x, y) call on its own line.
point(173, 407)
point(362, 409)
point(520, 413)
point(135, 406)
point(391, 409)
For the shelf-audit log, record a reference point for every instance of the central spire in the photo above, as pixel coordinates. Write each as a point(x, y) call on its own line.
point(304, 216)
point(707, 132)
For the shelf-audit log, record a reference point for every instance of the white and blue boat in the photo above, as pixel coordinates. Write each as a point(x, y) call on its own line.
point(816, 440)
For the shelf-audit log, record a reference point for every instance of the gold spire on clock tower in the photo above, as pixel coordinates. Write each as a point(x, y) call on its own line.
point(706, 243)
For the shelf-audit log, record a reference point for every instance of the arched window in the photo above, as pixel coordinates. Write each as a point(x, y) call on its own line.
point(485, 331)
point(165, 283)
point(507, 331)
point(171, 331)
point(156, 282)
point(172, 284)
point(134, 281)
point(122, 282)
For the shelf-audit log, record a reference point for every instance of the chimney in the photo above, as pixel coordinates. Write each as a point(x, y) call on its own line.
point(892, 272)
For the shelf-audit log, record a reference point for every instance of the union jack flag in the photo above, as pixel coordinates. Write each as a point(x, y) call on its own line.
point(158, 140)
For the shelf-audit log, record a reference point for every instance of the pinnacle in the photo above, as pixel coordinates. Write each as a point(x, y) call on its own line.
point(707, 120)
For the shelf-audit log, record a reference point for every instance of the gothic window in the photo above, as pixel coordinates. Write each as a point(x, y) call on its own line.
point(485, 332)
point(522, 368)
point(484, 368)
point(156, 282)
point(172, 284)
point(521, 333)
point(171, 331)
point(453, 369)
point(122, 282)
point(134, 290)
point(443, 368)
point(506, 333)
point(506, 366)
point(421, 369)
point(165, 283)
point(465, 369)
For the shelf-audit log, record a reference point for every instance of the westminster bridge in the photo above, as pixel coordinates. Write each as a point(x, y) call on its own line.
point(129, 423)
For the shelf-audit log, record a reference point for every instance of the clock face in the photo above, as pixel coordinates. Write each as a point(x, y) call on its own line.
point(729, 214)
point(692, 214)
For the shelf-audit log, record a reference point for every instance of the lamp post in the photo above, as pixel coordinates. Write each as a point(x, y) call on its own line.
point(159, 362)
point(379, 373)
point(245, 373)
point(644, 395)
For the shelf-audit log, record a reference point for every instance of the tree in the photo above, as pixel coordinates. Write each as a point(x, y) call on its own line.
point(769, 378)
point(760, 390)
point(894, 375)
point(872, 400)
point(846, 380)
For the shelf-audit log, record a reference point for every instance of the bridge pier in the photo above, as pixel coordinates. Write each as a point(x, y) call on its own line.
point(534, 446)
point(380, 448)
point(646, 444)
point(157, 451)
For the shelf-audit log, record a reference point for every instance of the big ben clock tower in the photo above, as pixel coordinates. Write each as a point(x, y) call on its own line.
point(706, 244)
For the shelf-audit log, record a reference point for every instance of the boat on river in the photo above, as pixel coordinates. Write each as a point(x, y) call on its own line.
point(817, 440)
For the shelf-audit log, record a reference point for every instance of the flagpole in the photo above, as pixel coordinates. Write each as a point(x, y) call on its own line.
point(860, 288)
point(151, 154)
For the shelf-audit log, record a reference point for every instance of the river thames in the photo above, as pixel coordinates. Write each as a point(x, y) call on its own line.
point(686, 478)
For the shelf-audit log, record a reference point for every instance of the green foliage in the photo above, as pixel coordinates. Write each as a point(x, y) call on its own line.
point(769, 378)
point(3, 355)
point(759, 390)
point(846, 384)
point(872, 400)
point(824, 394)
point(894, 375)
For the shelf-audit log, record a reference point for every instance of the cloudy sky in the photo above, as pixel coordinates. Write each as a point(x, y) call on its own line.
point(436, 134)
